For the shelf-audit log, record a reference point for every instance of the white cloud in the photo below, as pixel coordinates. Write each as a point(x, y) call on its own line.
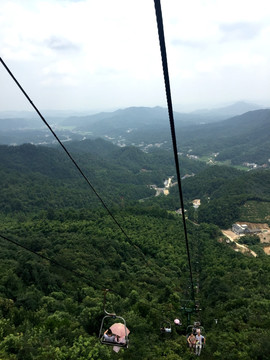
point(108, 50)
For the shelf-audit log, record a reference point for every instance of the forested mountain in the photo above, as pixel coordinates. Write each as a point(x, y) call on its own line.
point(243, 138)
point(223, 191)
point(138, 117)
point(239, 139)
point(135, 125)
point(38, 177)
point(48, 212)
point(238, 108)
point(48, 312)
point(133, 118)
point(34, 177)
point(226, 192)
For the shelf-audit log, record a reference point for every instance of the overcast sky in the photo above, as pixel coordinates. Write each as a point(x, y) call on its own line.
point(104, 54)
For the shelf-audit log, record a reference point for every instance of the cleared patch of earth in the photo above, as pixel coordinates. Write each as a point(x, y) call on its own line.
point(267, 250)
point(264, 236)
point(239, 247)
point(230, 235)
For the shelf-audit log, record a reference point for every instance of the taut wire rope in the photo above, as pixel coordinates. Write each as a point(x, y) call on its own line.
point(171, 118)
point(72, 159)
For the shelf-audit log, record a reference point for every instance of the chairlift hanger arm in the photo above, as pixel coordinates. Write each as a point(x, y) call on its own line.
point(104, 303)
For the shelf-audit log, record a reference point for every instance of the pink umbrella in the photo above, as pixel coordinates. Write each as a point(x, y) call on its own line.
point(119, 329)
point(177, 322)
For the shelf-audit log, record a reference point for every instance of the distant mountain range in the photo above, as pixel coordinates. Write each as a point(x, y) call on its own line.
point(119, 119)
point(237, 108)
point(240, 138)
point(51, 178)
point(138, 117)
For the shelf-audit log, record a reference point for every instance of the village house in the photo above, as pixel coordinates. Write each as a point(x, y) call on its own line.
point(239, 229)
point(242, 228)
point(194, 157)
point(179, 211)
point(196, 203)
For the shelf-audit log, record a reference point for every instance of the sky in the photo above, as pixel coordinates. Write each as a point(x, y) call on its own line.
point(102, 55)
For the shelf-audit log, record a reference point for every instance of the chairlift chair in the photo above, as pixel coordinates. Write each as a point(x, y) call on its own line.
point(165, 327)
point(111, 320)
point(196, 325)
point(103, 328)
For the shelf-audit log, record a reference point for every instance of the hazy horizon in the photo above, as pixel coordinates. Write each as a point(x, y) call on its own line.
point(72, 112)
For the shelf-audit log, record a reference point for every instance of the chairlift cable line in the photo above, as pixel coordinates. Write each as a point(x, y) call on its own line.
point(170, 110)
point(59, 141)
point(171, 118)
point(136, 247)
point(72, 159)
point(91, 282)
point(75, 164)
point(54, 262)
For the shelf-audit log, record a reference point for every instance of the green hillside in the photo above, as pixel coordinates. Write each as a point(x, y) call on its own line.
point(255, 211)
point(224, 193)
point(35, 177)
point(240, 139)
point(50, 311)
point(235, 139)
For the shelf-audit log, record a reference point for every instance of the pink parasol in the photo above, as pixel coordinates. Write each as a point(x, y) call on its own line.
point(119, 329)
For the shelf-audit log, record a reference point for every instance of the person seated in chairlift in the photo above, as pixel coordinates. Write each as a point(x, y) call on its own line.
point(121, 340)
point(165, 330)
point(200, 341)
point(109, 336)
point(191, 342)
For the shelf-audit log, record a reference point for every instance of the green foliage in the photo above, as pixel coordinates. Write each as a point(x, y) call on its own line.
point(35, 178)
point(255, 211)
point(249, 240)
point(224, 193)
point(48, 312)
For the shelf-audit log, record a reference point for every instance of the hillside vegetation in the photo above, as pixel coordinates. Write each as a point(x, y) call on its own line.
point(53, 309)
point(224, 193)
point(234, 134)
point(47, 312)
point(36, 178)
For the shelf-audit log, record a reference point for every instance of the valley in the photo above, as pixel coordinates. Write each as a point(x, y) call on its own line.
point(69, 249)
point(239, 140)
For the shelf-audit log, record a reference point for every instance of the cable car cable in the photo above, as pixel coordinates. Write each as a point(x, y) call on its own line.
point(76, 273)
point(74, 162)
point(54, 262)
point(72, 159)
point(171, 118)
point(77, 166)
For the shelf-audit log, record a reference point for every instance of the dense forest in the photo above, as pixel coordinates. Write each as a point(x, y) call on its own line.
point(35, 177)
point(224, 192)
point(53, 309)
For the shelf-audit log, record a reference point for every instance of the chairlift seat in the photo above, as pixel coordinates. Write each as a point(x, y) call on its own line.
point(113, 343)
point(165, 327)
